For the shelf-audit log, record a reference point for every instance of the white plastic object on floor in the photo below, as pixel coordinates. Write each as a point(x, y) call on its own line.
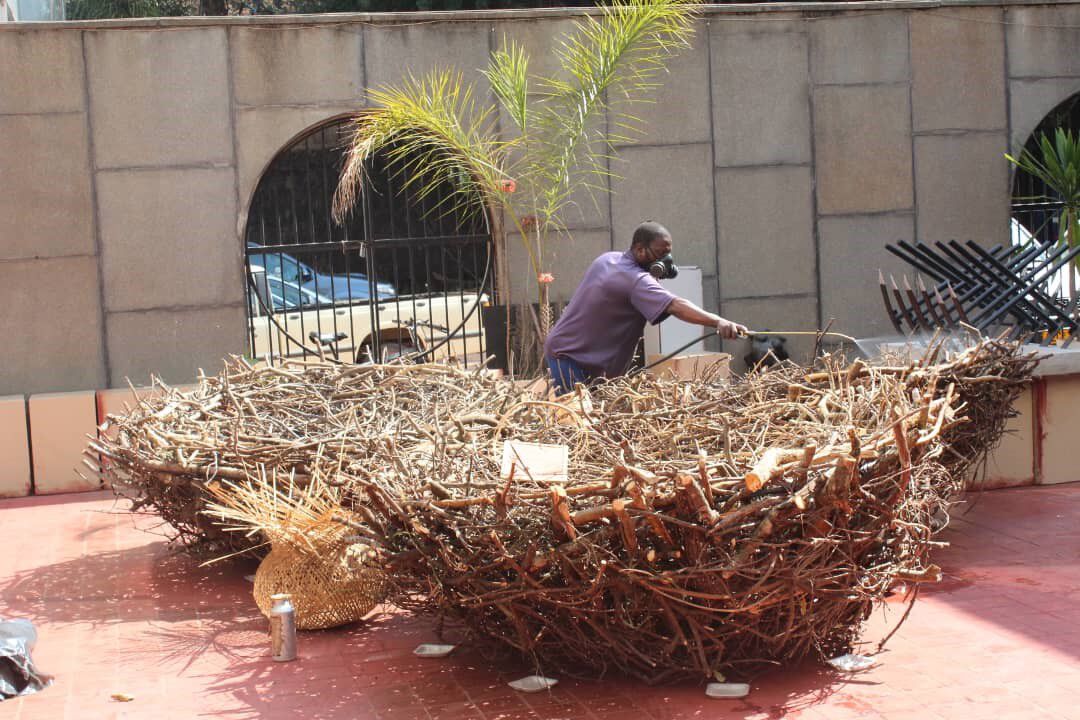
point(533, 683)
point(852, 662)
point(727, 690)
point(433, 650)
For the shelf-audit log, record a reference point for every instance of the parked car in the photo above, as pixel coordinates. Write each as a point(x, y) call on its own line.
point(340, 288)
point(281, 295)
point(287, 319)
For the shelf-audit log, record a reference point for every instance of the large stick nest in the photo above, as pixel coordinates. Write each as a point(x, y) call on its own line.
point(705, 526)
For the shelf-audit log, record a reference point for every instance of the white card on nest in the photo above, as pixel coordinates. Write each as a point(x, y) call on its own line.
point(533, 683)
point(542, 463)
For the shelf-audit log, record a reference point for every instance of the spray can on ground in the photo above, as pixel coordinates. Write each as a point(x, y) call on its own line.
point(282, 628)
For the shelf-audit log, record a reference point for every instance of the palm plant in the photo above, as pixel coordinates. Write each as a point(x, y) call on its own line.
point(1057, 166)
point(435, 133)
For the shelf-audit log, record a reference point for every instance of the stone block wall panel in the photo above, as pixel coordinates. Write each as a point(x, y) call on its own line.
point(857, 48)
point(852, 252)
point(757, 24)
point(392, 52)
point(672, 186)
point(962, 186)
point(1012, 462)
point(42, 71)
point(52, 323)
point(676, 112)
point(862, 137)
point(168, 238)
point(159, 98)
point(760, 90)
point(281, 66)
point(14, 448)
point(1059, 423)
point(1031, 100)
point(45, 195)
point(957, 79)
point(61, 425)
point(589, 208)
point(539, 39)
point(262, 132)
point(173, 344)
point(1042, 40)
point(766, 231)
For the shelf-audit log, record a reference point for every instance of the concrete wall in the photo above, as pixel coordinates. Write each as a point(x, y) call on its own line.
point(786, 147)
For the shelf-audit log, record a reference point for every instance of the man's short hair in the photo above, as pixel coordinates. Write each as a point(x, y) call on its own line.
point(647, 232)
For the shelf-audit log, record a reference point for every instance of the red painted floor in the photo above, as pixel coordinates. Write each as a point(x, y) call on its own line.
point(116, 613)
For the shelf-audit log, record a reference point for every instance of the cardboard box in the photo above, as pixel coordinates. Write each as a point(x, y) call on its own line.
point(714, 365)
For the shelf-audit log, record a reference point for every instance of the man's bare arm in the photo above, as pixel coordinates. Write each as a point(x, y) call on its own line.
point(691, 313)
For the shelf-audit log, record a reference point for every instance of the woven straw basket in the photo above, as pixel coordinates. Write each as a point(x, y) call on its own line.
point(330, 587)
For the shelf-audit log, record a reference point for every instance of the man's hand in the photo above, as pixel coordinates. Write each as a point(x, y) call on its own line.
point(691, 313)
point(730, 330)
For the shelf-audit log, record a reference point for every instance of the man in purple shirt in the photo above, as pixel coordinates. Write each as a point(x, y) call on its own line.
point(599, 330)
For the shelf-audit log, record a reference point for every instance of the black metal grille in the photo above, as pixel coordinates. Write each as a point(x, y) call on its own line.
point(402, 276)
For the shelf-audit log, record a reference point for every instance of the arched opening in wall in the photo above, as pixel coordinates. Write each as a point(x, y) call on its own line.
point(1036, 208)
point(403, 276)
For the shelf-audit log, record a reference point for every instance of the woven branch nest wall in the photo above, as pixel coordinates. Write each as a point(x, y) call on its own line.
point(705, 527)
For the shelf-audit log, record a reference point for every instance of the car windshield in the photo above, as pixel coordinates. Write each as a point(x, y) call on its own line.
point(341, 289)
point(289, 296)
point(283, 266)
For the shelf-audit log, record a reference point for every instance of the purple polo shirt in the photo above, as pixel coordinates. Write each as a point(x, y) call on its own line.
point(605, 318)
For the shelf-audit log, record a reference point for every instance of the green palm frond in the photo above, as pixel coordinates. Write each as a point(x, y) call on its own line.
point(434, 135)
point(508, 73)
point(620, 55)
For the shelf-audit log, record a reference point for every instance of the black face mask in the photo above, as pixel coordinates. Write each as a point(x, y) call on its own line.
point(664, 268)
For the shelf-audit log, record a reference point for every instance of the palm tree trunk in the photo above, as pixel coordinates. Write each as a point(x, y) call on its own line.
point(502, 263)
point(545, 312)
